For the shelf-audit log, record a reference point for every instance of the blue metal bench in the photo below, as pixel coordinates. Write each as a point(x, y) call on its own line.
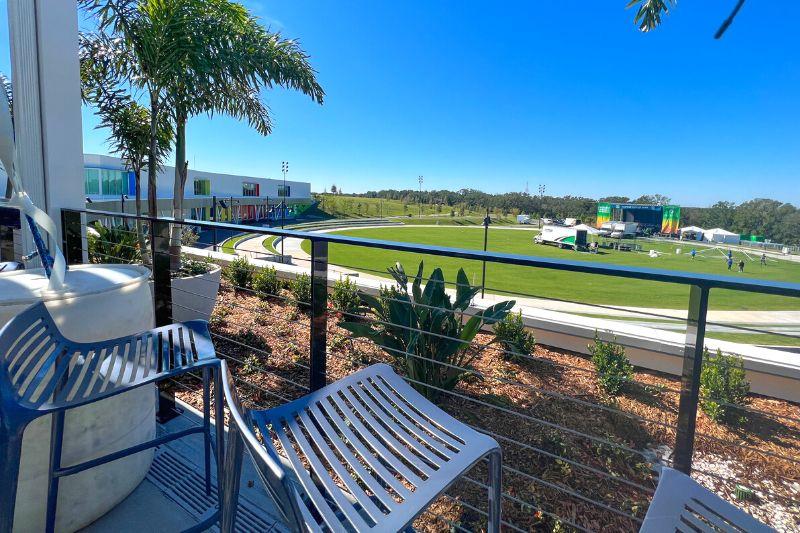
point(367, 453)
point(43, 373)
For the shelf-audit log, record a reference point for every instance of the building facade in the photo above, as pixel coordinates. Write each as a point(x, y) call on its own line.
point(109, 185)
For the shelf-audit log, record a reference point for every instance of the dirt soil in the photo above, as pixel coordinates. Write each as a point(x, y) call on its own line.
point(574, 459)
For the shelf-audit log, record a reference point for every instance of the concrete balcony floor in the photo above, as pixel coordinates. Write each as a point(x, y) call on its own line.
point(172, 497)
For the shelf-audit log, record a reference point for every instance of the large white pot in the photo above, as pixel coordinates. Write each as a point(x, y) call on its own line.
point(101, 302)
point(193, 298)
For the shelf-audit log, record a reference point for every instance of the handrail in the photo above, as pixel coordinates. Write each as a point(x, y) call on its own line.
point(706, 281)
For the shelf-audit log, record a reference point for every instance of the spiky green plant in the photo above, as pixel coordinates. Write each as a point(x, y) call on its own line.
point(423, 329)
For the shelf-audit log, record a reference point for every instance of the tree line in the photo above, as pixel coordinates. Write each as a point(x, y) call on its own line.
point(772, 219)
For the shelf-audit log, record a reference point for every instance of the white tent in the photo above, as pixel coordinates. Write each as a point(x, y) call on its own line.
point(589, 229)
point(720, 235)
point(692, 232)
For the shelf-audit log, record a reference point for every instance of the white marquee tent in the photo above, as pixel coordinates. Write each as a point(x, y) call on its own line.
point(720, 235)
point(690, 232)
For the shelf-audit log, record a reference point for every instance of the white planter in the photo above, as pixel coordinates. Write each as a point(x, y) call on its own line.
point(101, 302)
point(193, 298)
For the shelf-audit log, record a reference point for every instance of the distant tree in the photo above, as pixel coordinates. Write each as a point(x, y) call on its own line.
point(615, 199)
point(653, 199)
point(333, 189)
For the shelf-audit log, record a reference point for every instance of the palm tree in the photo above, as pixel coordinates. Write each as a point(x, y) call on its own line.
point(649, 14)
point(225, 58)
point(232, 58)
point(141, 43)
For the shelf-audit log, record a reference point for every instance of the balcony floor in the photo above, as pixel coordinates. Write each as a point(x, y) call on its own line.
point(172, 497)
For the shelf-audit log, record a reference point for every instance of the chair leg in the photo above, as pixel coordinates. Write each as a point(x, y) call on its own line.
point(207, 427)
point(495, 490)
point(219, 427)
point(231, 473)
point(56, 445)
point(10, 456)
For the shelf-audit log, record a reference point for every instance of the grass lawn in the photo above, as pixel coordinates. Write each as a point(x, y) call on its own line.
point(585, 288)
point(229, 245)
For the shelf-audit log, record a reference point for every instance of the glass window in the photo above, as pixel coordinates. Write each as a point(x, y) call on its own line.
point(202, 187)
point(91, 180)
point(284, 190)
point(113, 182)
point(250, 189)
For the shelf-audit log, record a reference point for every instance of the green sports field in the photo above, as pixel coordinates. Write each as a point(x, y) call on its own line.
point(585, 288)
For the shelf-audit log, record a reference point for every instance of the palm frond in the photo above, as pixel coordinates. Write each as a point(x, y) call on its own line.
point(650, 12)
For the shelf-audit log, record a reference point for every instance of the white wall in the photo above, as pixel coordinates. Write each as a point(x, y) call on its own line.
point(47, 105)
point(222, 185)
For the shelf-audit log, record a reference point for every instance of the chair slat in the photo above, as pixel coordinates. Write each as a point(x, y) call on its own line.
point(309, 487)
point(322, 416)
point(408, 423)
point(386, 455)
point(414, 415)
point(351, 485)
point(412, 446)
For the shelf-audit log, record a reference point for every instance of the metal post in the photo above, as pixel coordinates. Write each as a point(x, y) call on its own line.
point(486, 222)
point(319, 313)
point(162, 302)
point(72, 242)
point(214, 219)
point(162, 282)
point(690, 378)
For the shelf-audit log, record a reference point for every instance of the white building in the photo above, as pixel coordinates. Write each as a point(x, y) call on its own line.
point(108, 185)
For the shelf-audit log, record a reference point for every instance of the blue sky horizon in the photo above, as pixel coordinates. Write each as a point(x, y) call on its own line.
point(474, 95)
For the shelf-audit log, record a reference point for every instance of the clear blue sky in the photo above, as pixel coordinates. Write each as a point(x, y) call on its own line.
point(491, 95)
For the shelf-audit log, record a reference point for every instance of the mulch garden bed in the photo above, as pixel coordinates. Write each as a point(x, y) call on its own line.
point(572, 456)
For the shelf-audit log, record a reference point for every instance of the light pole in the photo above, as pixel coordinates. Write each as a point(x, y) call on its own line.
point(486, 222)
point(420, 197)
point(284, 169)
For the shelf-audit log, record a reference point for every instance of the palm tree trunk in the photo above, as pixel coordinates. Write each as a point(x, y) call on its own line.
point(177, 194)
point(137, 176)
point(152, 157)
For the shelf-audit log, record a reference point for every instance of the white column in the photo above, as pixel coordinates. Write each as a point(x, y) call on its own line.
point(47, 104)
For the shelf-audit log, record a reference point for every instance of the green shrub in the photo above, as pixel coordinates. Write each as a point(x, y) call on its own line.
point(423, 330)
point(239, 273)
point(722, 382)
point(300, 288)
point(115, 244)
point(514, 338)
point(612, 366)
point(266, 283)
point(344, 297)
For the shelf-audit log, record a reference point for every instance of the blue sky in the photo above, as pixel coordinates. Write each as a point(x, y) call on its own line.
point(494, 95)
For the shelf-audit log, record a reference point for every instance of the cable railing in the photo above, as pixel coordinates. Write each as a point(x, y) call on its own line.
point(575, 456)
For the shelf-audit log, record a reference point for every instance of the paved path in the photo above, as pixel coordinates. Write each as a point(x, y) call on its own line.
point(769, 321)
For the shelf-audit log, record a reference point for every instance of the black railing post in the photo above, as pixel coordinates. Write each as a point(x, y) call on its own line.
point(162, 282)
point(162, 304)
point(319, 313)
point(690, 378)
point(72, 243)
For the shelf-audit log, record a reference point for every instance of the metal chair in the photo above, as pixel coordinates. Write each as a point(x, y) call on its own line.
point(367, 453)
point(42, 372)
point(681, 504)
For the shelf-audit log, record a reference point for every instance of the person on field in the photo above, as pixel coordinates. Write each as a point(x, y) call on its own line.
point(730, 262)
point(763, 259)
point(741, 265)
point(693, 253)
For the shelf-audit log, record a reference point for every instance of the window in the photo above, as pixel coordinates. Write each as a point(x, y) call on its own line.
point(104, 181)
point(284, 191)
point(91, 180)
point(202, 187)
point(114, 182)
point(250, 189)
